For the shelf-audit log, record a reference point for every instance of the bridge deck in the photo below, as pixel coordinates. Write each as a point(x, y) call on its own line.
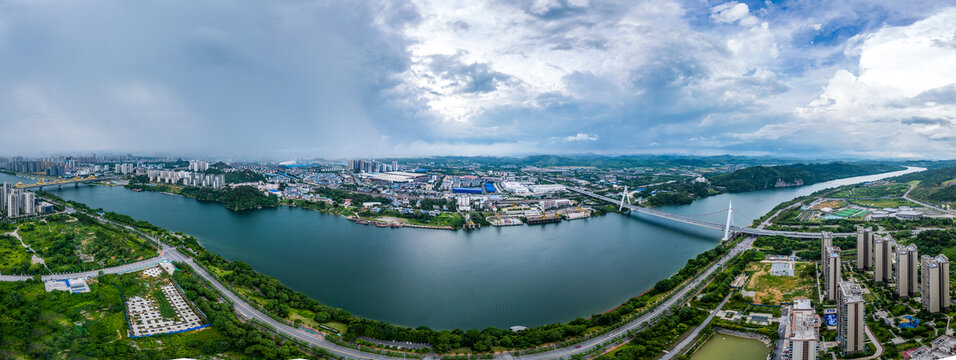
point(702, 223)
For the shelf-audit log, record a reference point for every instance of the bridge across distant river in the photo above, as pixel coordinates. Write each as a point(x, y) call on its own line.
point(707, 224)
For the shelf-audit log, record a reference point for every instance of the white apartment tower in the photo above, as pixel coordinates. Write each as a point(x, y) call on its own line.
point(803, 334)
point(864, 248)
point(907, 262)
point(831, 272)
point(883, 250)
point(5, 191)
point(850, 317)
point(935, 283)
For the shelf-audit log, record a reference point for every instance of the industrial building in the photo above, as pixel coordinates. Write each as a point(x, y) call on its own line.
point(515, 187)
point(883, 249)
point(864, 248)
point(907, 262)
point(850, 318)
point(546, 189)
point(393, 177)
point(803, 335)
point(935, 283)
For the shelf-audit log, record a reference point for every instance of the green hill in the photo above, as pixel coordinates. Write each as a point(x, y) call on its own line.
point(768, 177)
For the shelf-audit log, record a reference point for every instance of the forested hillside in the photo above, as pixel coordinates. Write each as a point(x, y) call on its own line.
point(767, 177)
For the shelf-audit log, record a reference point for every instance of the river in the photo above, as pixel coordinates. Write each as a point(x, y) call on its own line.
point(518, 275)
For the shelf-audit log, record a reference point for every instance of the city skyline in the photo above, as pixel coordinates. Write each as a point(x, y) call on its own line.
point(340, 79)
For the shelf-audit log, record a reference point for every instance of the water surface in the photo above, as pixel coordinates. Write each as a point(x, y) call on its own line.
point(518, 275)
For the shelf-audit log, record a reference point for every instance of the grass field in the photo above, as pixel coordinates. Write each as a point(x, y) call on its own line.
point(882, 203)
point(14, 258)
point(847, 212)
point(772, 290)
point(69, 245)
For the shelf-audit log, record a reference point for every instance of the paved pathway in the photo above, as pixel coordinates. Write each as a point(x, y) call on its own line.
point(34, 257)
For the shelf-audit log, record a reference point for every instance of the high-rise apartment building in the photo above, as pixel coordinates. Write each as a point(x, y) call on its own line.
point(883, 250)
point(935, 283)
point(850, 317)
point(907, 263)
point(864, 248)
point(29, 203)
point(5, 191)
point(831, 272)
point(803, 334)
point(826, 241)
point(198, 165)
point(15, 203)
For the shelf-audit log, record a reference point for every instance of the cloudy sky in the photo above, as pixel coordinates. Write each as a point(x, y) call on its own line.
point(438, 77)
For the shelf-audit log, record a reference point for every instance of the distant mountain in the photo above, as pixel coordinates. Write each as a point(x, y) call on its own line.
point(768, 177)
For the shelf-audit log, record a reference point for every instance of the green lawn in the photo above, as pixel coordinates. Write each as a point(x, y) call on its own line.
point(888, 190)
point(61, 240)
point(882, 203)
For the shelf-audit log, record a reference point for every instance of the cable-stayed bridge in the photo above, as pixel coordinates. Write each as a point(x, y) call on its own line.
point(727, 228)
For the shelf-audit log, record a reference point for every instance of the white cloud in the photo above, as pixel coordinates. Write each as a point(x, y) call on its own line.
point(899, 97)
point(733, 12)
point(581, 137)
point(590, 56)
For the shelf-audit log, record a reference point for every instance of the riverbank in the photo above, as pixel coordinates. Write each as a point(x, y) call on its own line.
point(304, 309)
point(632, 251)
point(744, 334)
point(239, 198)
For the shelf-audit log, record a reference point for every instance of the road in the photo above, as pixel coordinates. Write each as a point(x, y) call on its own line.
point(249, 312)
point(906, 196)
point(693, 335)
point(675, 299)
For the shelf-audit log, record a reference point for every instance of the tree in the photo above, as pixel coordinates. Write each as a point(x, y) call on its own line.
point(321, 317)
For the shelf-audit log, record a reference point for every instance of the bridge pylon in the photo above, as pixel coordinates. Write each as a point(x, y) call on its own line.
point(624, 195)
point(730, 219)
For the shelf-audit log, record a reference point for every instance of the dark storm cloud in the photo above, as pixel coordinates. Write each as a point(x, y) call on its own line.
point(419, 77)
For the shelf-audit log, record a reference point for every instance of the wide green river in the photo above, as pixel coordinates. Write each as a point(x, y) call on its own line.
point(519, 275)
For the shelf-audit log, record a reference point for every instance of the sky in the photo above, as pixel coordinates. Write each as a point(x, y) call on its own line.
point(295, 79)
